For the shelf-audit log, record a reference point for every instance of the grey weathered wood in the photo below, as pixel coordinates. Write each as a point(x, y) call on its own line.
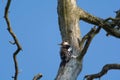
point(69, 28)
point(69, 15)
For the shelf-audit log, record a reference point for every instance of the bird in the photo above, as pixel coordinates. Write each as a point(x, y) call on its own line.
point(65, 51)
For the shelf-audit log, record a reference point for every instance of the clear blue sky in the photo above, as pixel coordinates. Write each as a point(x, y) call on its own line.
point(35, 22)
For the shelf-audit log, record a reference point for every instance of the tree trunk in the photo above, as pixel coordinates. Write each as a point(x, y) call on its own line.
point(69, 27)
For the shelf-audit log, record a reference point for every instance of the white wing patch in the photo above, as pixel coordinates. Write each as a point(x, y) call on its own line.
point(70, 49)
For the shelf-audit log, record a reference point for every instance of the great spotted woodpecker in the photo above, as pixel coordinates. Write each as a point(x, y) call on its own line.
point(66, 52)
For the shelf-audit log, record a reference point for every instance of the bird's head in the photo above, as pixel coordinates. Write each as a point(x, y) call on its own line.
point(65, 43)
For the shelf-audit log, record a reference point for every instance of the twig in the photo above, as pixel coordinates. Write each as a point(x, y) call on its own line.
point(14, 37)
point(86, 40)
point(104, 70)
point(37, 77)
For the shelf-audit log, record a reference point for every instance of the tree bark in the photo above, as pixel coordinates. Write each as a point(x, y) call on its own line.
point(69, 27)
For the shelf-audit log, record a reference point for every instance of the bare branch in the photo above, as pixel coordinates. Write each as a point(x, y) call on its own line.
point(114, 22)
point(87, 40)
point(98, 22)
point(14, 37)
point(37, 77)
point(104, 70)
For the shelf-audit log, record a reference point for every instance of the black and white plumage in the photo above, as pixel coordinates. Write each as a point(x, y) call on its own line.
point(66, 51)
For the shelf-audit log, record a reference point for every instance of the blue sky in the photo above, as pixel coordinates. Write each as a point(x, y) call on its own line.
point(36, 25)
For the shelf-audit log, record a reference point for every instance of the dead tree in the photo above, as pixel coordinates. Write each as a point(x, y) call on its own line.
point(69, 15)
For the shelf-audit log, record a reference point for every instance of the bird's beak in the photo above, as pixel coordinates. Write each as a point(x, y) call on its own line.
point(59, 44)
